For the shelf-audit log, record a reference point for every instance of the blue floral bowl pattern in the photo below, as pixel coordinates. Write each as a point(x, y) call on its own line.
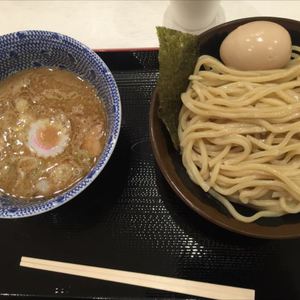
point(28, 49)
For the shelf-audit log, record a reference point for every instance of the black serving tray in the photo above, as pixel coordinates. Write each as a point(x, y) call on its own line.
point(130, 219)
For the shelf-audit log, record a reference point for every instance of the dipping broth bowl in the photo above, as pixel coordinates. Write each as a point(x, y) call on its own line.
point(29, 49)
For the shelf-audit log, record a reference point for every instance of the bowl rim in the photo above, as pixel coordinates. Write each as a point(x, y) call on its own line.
point(58, 200)
point(155, 125)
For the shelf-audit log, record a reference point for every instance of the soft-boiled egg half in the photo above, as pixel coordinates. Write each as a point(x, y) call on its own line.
point(48, 138)
point(259, 45)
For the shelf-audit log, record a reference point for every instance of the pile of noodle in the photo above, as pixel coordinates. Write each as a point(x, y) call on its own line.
point(239, 135)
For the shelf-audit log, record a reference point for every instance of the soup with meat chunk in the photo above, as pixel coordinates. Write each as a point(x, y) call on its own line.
point(52, 130)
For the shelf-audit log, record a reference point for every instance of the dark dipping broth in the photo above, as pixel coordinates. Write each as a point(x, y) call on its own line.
point(52, 131)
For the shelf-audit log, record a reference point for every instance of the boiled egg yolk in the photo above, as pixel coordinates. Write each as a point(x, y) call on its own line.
point(48, 137)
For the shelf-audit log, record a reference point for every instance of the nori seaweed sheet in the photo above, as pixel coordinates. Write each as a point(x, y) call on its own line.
point(178, 53)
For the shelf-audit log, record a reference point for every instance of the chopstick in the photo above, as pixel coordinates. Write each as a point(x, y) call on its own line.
point(188, 287)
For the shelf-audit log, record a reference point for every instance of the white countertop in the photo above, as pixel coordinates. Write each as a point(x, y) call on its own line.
point(119, 24)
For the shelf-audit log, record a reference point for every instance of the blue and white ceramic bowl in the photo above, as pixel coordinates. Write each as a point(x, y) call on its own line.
point(27, 49)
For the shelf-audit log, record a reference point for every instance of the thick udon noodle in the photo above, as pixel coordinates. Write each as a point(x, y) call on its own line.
point(60, 100)
point(239, 134)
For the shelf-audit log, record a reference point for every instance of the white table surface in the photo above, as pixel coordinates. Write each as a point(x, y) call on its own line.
point(119, 24)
